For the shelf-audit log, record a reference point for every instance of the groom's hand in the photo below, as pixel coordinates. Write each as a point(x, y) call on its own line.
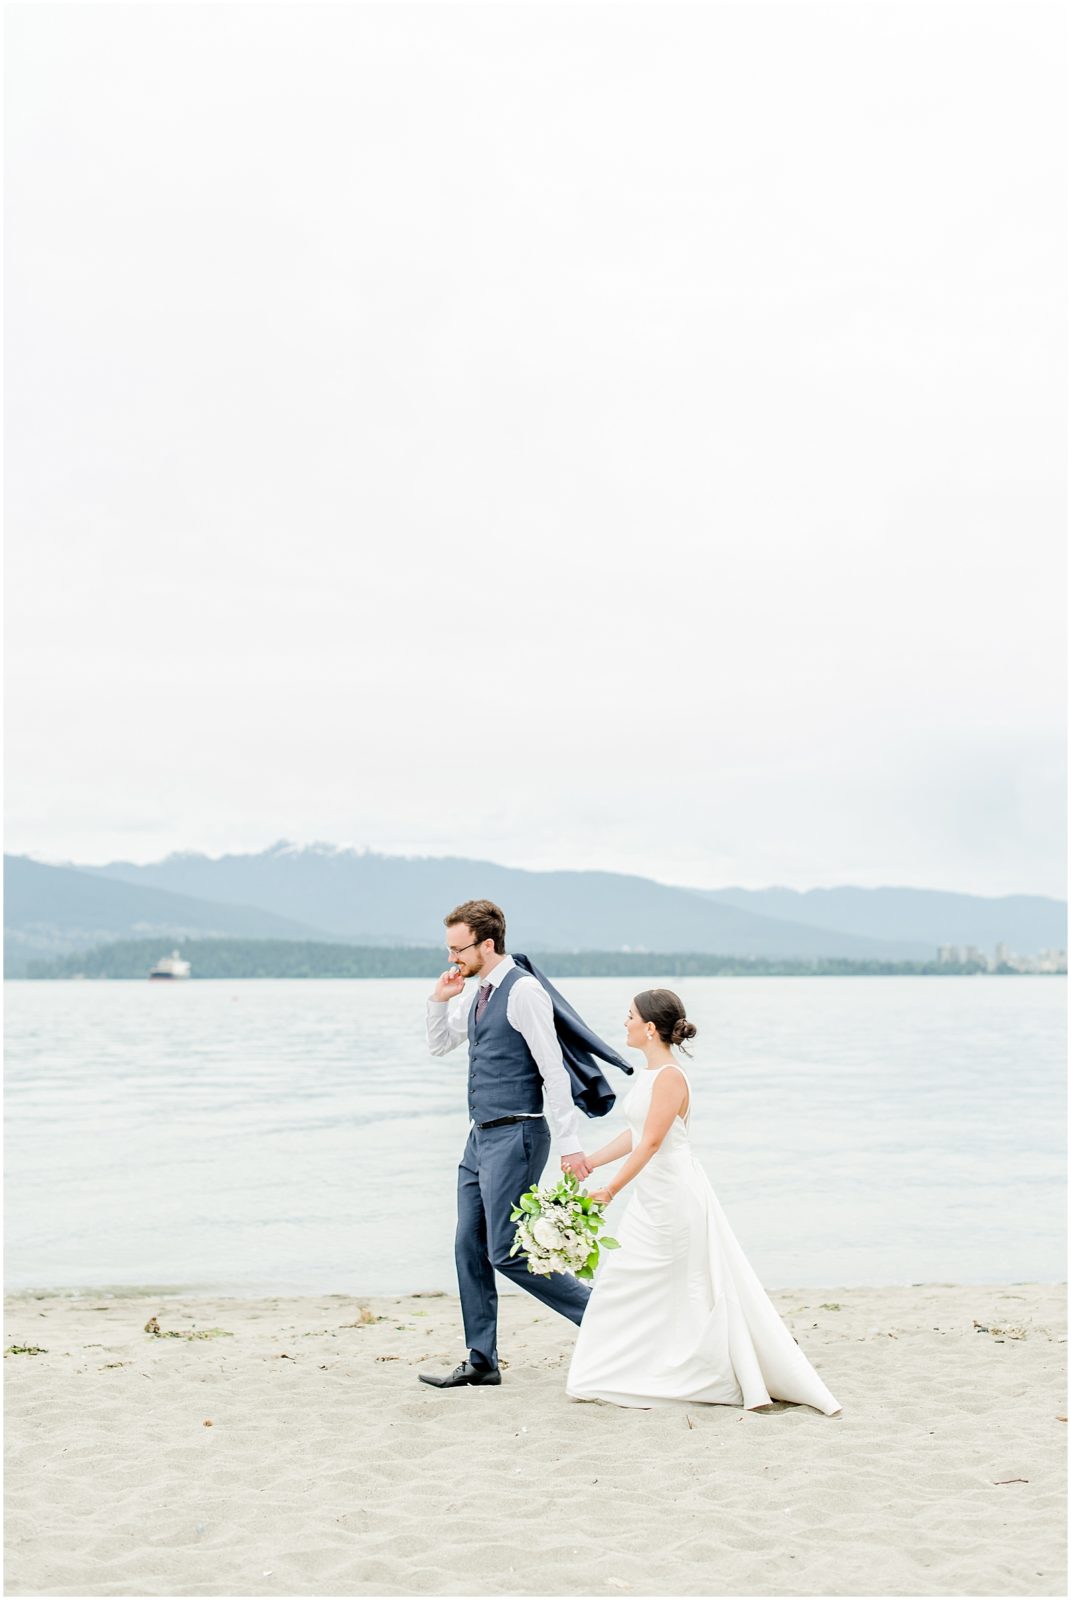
point(450, 984)
point(578, 1164)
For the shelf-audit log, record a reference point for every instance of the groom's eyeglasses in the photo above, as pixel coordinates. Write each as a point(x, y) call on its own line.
point(452, 952)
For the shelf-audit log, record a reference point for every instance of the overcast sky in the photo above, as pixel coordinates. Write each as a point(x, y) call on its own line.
point(595, 435)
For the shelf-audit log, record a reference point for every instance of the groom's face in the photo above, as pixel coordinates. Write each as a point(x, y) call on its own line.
point(464, 950)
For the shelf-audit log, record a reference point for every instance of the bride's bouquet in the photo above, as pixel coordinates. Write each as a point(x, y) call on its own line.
point(558, 1229)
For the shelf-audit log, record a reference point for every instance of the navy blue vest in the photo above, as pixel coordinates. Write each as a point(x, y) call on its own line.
point(504, 1080)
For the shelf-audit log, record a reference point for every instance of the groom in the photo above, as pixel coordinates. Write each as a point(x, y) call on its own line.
point(515, 1059)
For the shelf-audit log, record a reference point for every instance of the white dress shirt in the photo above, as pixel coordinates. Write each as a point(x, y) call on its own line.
point(529, 1010)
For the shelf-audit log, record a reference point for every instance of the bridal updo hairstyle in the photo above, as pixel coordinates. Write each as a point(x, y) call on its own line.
point(666, 1010)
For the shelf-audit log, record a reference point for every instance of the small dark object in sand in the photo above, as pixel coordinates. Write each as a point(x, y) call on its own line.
point(153, 1327)
point(364, 1320)
point(25, 1350)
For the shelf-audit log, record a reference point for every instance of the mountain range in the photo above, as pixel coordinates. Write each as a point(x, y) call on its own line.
point(1026, 923)
point(53, 910)
point(328, 892)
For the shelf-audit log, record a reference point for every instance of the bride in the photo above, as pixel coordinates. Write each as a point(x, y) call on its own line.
point(677, 1313)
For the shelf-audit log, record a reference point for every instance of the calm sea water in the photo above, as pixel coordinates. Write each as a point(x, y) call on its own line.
point(297, 1137)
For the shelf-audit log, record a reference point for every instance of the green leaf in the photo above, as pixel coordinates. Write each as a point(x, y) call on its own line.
point(606, 1243)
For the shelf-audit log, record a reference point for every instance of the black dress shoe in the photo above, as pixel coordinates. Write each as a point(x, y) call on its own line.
point(466, 1373)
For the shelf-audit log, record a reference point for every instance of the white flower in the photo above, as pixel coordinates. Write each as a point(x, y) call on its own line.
point(546, 1234)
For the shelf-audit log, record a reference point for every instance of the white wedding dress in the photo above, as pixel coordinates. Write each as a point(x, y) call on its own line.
point(677, 1313)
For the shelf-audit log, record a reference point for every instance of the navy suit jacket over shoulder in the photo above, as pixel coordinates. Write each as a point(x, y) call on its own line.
point(580, 1047)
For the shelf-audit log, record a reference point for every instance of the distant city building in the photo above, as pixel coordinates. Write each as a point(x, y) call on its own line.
point(1002, 959)
point(1044, 961)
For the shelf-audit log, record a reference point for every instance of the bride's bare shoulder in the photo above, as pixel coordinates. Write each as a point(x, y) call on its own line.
point(671, 1087)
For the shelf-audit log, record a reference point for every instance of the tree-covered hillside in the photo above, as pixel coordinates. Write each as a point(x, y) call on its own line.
point(282, 958)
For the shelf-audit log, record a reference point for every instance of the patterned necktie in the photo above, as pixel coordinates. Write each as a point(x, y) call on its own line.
point(482, 999)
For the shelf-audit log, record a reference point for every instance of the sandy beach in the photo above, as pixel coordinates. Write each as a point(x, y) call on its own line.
point(292, 1451)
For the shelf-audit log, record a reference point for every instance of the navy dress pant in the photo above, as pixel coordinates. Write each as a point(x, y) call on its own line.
point(498, 1165)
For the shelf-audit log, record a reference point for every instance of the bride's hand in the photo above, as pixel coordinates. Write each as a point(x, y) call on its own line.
point(602, 1197)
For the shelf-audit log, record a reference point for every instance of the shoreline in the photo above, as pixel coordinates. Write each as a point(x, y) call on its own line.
point(276, 1292)
point(902, 970)
point(282, 1444)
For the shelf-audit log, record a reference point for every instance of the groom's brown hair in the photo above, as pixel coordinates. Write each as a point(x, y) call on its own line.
point(486, 920)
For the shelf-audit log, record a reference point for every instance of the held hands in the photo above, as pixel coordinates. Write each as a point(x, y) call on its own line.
point(450, 984)
point(578, 1164)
